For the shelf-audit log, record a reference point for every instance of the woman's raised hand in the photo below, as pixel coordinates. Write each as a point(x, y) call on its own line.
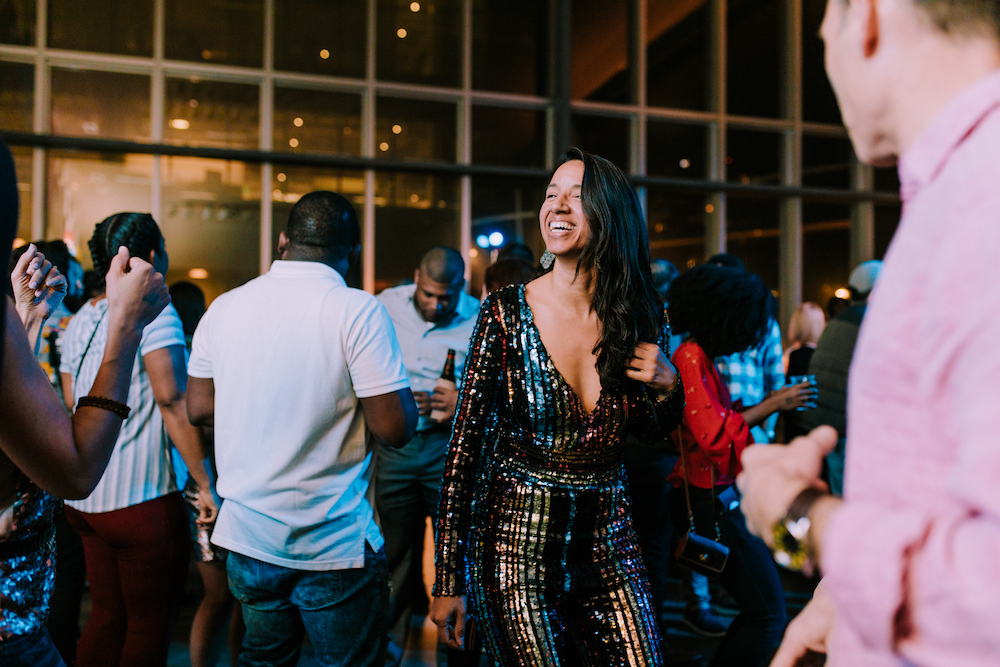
point(136, 292)
point(651, 367)
point(39, 288)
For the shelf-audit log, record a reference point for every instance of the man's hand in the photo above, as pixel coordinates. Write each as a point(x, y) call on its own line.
point(39, 288)
point(445, 399)
point(423, 401)
point(774, 475)
point(651, 367)
point(448, 613)
point(809, 631)
point(208, 509)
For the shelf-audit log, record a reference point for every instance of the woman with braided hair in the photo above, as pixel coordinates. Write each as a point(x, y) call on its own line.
point(134, 525)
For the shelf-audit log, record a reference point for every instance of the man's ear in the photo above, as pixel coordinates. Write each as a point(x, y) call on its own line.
point(416, 275)
point(871, 26)
point(282, 244)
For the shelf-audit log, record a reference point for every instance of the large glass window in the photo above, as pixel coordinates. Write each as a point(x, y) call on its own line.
point(313, 121)
point(818, 101)
point(826, 250)
point(211, 222)
point(676, 223)
point(85, 188)
point(415, 129)
point(107, 26)
point(886, 221)
point(230, 32)
point(23, 167)
point(513, 137)
point(414, 213)
point(753, 235)
point(508, 206)
point(600, 62)
point(676, 151)
point(101, 104)
point(604, 136)
point(753, 157)
point(211, 113)
point(826, 162)
point(17, 22)
point(677, 54)
point(419, 42)
point(315, 37)
point(756, 30)
point(17, 95)
point(508, 46)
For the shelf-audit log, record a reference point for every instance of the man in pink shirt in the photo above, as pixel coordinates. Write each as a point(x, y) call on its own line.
point(911, 555)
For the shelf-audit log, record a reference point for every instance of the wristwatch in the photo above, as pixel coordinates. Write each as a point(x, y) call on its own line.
point(789, 534)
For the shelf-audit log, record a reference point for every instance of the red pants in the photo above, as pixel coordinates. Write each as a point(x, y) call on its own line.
point(137, 560)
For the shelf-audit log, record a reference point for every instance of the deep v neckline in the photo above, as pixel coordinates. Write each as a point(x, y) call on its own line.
point(562, 378)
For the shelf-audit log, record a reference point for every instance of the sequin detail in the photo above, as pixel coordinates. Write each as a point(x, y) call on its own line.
point(27, 567)
point(534, 523)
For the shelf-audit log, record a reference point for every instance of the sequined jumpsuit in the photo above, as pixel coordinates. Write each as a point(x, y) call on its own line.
point(534, 524)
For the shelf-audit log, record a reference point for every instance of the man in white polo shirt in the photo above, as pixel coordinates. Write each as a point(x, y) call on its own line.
point(290, 368)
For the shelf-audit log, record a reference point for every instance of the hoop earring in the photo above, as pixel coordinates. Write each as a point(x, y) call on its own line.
point(547, 259)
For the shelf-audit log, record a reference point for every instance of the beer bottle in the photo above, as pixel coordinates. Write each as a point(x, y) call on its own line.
point(446, 381)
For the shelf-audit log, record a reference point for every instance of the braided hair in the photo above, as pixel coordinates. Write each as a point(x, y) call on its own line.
point(136, 231)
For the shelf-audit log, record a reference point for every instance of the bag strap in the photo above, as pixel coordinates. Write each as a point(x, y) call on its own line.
point(87, 349)
point(687, 492)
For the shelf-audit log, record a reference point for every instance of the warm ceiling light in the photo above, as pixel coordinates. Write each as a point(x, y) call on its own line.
point(193, 104)
point(180, 124)
point(709, 208)
point(401, 33)
point(383, 146)
point(473, 252)
point(414, 7)
point(685, 163)
point(197, 274)
point(293, 142)
point(324, 54)
point(281, 177)
point(206, 54)
point(397, 129)
point(843, 293)
point(297, 122)
point(414, 198)
point(18, 242)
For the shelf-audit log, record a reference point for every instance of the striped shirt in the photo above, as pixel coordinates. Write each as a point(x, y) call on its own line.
point(140, 466)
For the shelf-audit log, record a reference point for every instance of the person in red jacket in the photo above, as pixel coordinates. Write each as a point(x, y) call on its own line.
point(724, 310)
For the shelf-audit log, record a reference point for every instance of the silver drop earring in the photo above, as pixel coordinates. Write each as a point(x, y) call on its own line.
point(546, 260)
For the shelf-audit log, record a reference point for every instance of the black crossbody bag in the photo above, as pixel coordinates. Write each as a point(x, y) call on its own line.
point(694, 552)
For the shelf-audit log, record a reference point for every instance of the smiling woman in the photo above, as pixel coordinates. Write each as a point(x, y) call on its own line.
point(560, 371)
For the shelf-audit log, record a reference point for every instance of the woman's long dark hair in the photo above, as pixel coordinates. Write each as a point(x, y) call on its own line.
point(618, 249)
point(136, 231)
point(725, 310)
point(8, 227)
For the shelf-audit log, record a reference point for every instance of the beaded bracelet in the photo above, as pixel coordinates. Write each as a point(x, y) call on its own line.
point(120, 409)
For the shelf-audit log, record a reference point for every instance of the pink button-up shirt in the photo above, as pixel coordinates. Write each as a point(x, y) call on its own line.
point(912, 558)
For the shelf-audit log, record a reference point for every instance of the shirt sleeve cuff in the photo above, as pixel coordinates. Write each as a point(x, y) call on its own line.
point(866, 555)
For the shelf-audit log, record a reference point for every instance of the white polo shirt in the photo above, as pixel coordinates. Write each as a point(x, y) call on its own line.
point(290, 354)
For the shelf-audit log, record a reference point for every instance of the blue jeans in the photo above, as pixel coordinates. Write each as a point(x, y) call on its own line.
point(32, 650)
point(344, 612)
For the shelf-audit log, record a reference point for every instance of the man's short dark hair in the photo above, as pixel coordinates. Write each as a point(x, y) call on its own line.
point(443, 265)
point(325, 221)
point(963, 16)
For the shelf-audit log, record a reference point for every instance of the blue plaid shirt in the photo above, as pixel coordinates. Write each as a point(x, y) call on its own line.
point(753, 373)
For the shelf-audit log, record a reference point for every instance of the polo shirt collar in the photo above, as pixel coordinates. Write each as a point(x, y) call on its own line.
point(923, 160)
point(287, 267)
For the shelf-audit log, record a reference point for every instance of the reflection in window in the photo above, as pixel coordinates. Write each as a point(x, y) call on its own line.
point(102, 104)
point(826, 162)
point(508, 136)
point(419, 42)
point(508, 206)
point(753, 235)
point(753, 157)
point(604, 136)
point(886, 221)
point(600, 67)
point(290, 183)
point(211, 221)
point(756, 31)
point(314, 121)
point(676, 226)
point(22, 166)
point(414, 129)
point(17, 94)
point(414, 213)
point(676, 151)
point(230, 32)
point(818, 101)
point(677, 54)
point(309, 36)
point(17, 22)
point(85, 188)
point(508, 46)
point(211, 113)
point(109, 26)
point(826, 250)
